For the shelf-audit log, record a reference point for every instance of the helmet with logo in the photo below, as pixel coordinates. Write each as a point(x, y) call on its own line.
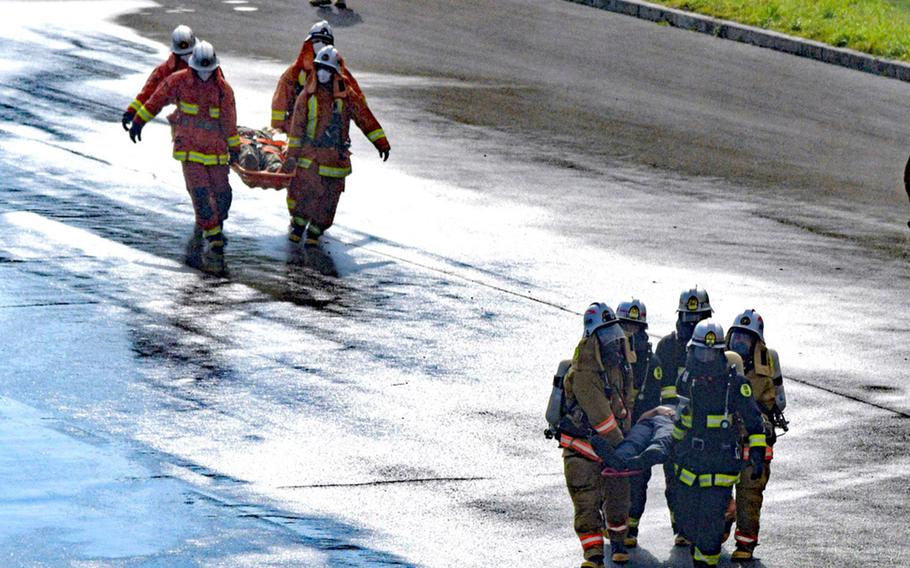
point(708, 334)
point(694, 305)
point(322, 32)
point(204, 58)
point(750, 320)
point(596, 316)
point(328, 58)
point(633, 311)
point(182, 40)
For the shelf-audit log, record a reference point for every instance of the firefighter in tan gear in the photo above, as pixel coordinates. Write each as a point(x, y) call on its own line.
point(762, 369)
point(598, 398)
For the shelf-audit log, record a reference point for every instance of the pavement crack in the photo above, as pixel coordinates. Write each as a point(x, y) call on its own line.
point(385, 482)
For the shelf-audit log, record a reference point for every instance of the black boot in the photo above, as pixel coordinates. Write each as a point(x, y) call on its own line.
point(619, 553)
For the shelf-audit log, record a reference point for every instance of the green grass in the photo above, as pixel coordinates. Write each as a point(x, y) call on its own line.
point(879, 27)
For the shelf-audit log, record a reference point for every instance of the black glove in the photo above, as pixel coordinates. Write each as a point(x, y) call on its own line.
point(234, 156)
point(136, 131)
point(126, 119)
point(757, 459)
point(604, 451)
point(384, 154)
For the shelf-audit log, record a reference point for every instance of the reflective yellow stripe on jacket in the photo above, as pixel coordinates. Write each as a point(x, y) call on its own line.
point(188, 108)
point(667, 393)
point(757, 440)
point(215, 112)
point(333, 172)
point(144, 114)
point(204, 159)
point(279, 114)
point(717, 420)
point(136, 105)
point(312, 116)
point(376, 135)
point(233, 141)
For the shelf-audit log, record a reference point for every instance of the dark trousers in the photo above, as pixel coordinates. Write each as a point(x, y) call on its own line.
point(700, 518)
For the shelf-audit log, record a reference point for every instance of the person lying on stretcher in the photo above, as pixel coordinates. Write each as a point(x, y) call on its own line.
point(648, 443)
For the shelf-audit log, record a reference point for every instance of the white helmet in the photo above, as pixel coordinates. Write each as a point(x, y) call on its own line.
point(750, 320)
point(322, 31)
point(694, 304)
point(633, 311)
point(596, 316)
point(182, 40)
point(204, 58)
point(327, 58)
point(709, 335)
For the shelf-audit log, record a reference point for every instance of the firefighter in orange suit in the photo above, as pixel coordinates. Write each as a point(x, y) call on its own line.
point(318, 146)
point(205, 142)
point(746, 337)
point(182, 43)
point(598, 391)
point(294, 80)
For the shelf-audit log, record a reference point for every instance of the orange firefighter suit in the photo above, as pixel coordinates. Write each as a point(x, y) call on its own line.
point(205, 131)
point(318, 140)
point(173, 64)
point(294, 80)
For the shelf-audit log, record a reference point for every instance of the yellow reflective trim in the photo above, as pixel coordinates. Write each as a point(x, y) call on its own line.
point(204, 159)
point(293, 142)
point(180, 156)
point(678, 433)
point(312, 116)
point(686, 420)
point(666, 392)
point(279, 114)
point(376, 135)
point(710, 559)
point(144, 114)
point(633, 522)
point(233, 141)
point(705, 480)
point(211, 232)
point(758, 441)
point(304, 163)
point(724, 480)
point(687, 477)
point(291, 203)
point(301, 78)
point(188, 108)
point(136, 104)
point(332, 172)
point(716, 420)
point(215, 112)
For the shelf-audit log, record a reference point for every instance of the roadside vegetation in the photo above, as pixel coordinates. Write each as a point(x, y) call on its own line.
point(878, 27)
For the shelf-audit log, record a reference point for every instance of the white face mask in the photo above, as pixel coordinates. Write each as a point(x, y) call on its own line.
point(324, 76)
point(204, 75)
point(317, 45)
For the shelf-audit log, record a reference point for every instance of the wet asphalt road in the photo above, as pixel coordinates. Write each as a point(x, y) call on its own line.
point(392, 414)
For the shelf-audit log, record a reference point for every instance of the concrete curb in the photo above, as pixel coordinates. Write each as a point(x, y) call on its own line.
point(755, 36)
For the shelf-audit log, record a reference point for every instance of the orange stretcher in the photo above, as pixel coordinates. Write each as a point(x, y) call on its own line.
point(265, 180)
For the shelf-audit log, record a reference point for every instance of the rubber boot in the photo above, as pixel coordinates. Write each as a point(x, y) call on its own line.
point(295, 233)
point(631, 540)
point(743, 552)
point(680, 540)
point(213, 255)
point(593, 562)
point(320, 2)
point(620, 554)
point(341, 4)
point(194, 248)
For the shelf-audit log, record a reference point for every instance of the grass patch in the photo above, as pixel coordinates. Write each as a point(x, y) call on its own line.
point(878, 27)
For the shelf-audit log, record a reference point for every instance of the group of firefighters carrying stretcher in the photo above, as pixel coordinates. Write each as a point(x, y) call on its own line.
point(314, 103)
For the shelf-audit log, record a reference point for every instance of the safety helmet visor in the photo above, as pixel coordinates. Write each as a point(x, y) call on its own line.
point(705, 355)
point(610, 339)
point(693, 317)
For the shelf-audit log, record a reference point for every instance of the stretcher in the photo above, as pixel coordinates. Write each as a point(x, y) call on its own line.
point(263, 141)
point(610, 472)
point(265, 180)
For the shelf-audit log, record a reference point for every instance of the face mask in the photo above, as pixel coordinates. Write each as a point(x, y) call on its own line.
point(684, 330)
point(317, 45)
point(204, 75)
point(741, 343)
point(324, 76)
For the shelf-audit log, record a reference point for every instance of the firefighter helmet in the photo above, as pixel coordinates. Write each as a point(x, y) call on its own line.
point(327, 58)
point(204, 58)
point(708, 334)
point(596, 316)
point(750, 320)
point(694, 305)
point(322, 31)
point(182, 40)
point(633, 311)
